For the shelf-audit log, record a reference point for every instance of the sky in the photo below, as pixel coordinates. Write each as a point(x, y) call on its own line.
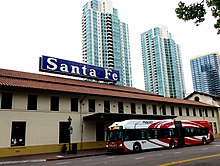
point(32, 28)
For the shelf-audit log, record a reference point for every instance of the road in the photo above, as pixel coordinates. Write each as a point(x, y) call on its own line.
point(193, 155)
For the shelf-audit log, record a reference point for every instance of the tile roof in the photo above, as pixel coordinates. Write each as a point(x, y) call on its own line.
point(202, 93)
point(18, 79)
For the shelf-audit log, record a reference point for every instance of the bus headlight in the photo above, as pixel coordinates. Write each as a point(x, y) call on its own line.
point(120, 145)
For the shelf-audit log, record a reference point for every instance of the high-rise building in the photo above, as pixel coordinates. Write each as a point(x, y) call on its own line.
point(105, 39)
point(206, 73)
point(162, 64)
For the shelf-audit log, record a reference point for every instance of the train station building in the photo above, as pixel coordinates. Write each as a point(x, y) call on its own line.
point(36, 110)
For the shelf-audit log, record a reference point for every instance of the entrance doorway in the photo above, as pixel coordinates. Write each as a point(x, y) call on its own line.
point(64, 135)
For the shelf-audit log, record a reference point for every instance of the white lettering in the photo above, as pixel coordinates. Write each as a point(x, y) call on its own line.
point(92, 73)
point(75, 70)
point(64, 68)
point(107, 73)
point(147, 122)
point(115, 76)
point(52, 62)
point(84, 70)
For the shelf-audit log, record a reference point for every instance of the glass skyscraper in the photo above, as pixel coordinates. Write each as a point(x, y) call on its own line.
point(162, 63)
point(206, 73)
point(105, 39)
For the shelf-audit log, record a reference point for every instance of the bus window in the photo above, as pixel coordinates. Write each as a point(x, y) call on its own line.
point(126, 135)
point(148, 136)
point(114, 135)
point(119, 135)
point(186, 132)
point(193, 131)
point(166, 133)
point(135, 134)
point(154, 133)
point(204, 131)
point(143, 135)
point(172, 133)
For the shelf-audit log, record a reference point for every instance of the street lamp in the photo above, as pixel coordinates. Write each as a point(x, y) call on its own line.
point(70, 132)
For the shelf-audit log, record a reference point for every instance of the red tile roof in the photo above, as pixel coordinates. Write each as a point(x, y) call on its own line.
point(11, 78)
point(202, 93)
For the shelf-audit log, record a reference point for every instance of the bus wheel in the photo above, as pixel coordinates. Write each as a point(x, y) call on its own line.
point(172, 144)
point(204, 141)
point(136, 147)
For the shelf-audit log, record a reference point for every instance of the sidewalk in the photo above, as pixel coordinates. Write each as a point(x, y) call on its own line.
point(50, 156)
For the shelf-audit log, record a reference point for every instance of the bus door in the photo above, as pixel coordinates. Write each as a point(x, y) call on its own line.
point(179, 133)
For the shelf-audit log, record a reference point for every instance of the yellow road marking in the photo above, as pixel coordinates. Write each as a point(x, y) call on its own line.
point(189, 160)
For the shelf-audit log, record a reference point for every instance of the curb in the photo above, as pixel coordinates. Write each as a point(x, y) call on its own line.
point(48, 159)
point(22, 161)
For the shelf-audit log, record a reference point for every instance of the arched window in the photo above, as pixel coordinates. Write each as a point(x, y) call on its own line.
point(196, 98)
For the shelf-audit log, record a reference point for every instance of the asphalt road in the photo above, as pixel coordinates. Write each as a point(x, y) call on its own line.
point(186, 156)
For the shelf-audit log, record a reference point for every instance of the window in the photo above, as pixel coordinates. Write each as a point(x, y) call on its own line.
point(163, 107)
point(200, 112)
point(213, 113)
point(120, 107)
point(187, 111)
point(91, 105)
point(172, 110)
point(106, 106)
point(64, 135)
point(188, 132)
point(133, 108)
point(74, 104)
point(54, 103)
point(206, 113)
point(196, 98)
point(144, 108)
point(180, 111)
point(154, 109)
point(194, 112)
point(18, 133)
point(32, 102)
point(143, 134)
point(6, 101)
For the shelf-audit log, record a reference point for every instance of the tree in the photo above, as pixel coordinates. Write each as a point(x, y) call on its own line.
point(196, 11)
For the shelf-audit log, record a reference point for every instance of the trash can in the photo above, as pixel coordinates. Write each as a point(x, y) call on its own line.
point(74, 148)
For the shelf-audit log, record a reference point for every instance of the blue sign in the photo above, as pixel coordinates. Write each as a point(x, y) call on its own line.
point(60, 66)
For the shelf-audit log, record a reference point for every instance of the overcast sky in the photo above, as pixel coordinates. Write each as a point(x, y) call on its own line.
point(32, 28)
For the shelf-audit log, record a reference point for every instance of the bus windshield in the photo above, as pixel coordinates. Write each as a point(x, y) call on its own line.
point(114, 135)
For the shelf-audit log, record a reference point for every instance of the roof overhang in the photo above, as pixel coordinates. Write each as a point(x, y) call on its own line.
point(120, 117)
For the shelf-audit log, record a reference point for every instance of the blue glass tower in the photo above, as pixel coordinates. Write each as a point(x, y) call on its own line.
point(206, 73)
point(162, 64)
point(105, 39)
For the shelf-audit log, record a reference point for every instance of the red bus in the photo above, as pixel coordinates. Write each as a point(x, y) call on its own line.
point(137, 135)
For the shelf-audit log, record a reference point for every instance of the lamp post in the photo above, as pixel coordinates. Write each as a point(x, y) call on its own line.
point(70, 132)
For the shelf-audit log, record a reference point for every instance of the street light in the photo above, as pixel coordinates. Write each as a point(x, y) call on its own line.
point(70, 132)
